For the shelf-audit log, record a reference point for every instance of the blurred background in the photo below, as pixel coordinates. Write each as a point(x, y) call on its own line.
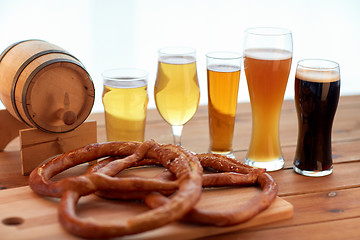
point(105, 34)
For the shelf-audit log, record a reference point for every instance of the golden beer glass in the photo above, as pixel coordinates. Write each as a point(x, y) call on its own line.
point(125, 102)
point(223, 76)
point(176, 90)
point(267, 63)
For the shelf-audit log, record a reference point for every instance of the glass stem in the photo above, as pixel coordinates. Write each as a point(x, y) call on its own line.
point(177, 130)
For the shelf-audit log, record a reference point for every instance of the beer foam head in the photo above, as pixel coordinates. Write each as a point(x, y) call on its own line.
point(224, 68)
point(317, 75)
point(125, 78)
point(125, 83)
point(177, 60)
point(318, 70)
point(267, 53)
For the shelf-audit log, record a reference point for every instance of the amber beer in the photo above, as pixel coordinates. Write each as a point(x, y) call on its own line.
point(267, 72)
point(125, 103)
point(223, 76)
point(316, 99)
point(176, 91)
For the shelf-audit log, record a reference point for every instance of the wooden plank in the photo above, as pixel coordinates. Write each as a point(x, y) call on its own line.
point(321, 207)
point(39, 215)
point(351, 101)
point(332, 230)
point(324, 206)
point(342, 152)
point(10, 170)
point(196, 133)
point(345, 175)
point(310, 209)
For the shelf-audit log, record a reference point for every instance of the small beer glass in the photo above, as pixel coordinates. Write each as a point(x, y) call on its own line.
point(223, 76)
point(317, 91)
point(125, 102)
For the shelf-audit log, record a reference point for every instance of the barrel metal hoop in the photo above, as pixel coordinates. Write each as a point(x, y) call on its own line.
point(29, 80)
point(1, 58)
point(12, 46)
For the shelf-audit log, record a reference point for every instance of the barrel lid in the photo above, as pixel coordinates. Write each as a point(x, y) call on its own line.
point(59, 95)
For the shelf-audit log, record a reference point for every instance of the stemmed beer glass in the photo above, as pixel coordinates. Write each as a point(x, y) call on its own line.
point(267, 63)
point(177, 92)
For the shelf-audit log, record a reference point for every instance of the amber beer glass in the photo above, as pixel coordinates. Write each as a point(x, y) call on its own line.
point(317, 91)
point(267, 63)
point(176, 90)
point(125, 102)
point(223, 76)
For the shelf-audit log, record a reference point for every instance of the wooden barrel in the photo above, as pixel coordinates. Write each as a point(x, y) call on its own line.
point(44, 86)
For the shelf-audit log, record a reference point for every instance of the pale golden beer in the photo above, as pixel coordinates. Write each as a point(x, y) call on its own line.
point(267, 64)
point(177, 92)
point(125, 102)
point(267, 79)
point(223, 76)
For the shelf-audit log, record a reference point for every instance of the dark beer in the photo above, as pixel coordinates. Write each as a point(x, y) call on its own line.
point(316, 98)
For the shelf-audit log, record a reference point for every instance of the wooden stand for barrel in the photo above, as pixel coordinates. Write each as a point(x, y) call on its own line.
point(37, 146)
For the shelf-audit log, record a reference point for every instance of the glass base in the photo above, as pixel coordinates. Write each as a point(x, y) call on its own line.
point(269, 166)
point(226, 154)
point(313, 173)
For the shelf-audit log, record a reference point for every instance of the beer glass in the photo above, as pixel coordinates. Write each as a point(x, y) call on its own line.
point(267, 63)
point(317, 91)
point(223, 76)
point(176, 90)
point(125, 102)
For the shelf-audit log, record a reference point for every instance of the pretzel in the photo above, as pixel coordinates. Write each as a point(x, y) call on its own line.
point(237, 174)
point(235, 216)
point(230, 217)
point(184, 165)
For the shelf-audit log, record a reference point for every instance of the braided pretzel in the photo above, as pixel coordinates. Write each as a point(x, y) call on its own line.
point(184, 165)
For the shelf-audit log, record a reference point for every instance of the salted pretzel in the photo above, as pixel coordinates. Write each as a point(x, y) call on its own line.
point(180, 162)
point(233, 173)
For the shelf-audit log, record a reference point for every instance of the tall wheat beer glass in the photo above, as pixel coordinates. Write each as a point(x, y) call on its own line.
point(223, 76)
point(176, 90)
point(317, 91)
point(267, 63)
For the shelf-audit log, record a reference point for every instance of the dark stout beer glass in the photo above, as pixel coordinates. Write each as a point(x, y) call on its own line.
point(317, 90)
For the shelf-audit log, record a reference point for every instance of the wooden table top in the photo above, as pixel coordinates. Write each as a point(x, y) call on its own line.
point(324, 208)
